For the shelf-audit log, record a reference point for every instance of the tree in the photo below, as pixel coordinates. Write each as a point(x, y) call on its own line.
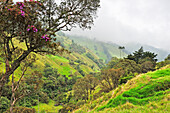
point(137, 55)
point(35, 22)
point(110, 78)
point(4, 104)
point(164, 63)
point(112, 62)
point(92, 82)
point(129, 66)
point(25, 86)
point(121, 47)
point(147, 66)
point(140, 54)
point(84, 87)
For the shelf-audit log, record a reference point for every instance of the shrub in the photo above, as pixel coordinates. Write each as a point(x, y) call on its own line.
point(22, 110)
point(4, 104)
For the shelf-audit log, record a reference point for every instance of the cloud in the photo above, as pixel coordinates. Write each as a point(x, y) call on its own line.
point(121, 21)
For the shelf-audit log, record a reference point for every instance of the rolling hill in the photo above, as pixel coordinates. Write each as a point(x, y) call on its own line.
point(148, 93)
point(80, 62)
point(103, 50)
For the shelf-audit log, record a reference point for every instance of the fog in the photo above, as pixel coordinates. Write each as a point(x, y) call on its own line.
point(139, 21)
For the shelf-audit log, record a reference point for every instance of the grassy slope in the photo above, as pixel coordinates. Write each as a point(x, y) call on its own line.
point(146, 93)
point(58, 62)
point(98, 47)
point(46, 108)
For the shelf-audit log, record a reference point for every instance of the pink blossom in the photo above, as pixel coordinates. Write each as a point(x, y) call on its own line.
point(47, 39)
point(43, 37)
point(21, 7)
point(28, 29)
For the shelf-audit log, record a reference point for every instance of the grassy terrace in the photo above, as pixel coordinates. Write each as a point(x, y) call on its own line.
point(148, 93)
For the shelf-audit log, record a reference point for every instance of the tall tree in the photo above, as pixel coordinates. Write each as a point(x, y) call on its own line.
point(140, 54)
point(19, 87)
point(34, 23)
point(121, 48)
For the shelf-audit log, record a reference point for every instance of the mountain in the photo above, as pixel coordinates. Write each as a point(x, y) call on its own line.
point(66, 64)
point(104, 50)
point(107, 50)
point(69, 67)
point(145, 93)
point(162, 54)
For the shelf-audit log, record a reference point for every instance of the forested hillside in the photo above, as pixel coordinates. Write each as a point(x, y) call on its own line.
point(103, 50)
point(43, 70)
point(59, 73)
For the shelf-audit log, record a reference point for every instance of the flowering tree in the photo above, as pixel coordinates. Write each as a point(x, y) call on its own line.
point(34, 23)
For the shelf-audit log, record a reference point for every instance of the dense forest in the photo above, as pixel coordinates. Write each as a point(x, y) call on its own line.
point(44, 70)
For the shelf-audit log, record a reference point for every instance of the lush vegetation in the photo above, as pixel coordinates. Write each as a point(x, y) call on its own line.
point(145, 93)
point(42, 70)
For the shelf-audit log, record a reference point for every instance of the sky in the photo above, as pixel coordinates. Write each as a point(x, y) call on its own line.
point(138, 21)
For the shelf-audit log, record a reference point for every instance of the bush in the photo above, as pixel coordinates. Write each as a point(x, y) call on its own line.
point(22, 110)
point(44, 97)
point(93, 105)
point(81, 102)
point(4, 104)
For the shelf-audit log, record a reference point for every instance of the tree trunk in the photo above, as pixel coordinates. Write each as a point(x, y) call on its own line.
point(11, 108)
point(14, 66)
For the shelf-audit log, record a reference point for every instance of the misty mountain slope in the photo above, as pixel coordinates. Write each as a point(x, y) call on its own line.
point(103, 50)
point(162, 54)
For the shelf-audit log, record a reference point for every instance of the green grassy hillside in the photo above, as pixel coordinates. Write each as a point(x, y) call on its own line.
point(147, 93)
point(62, 62)
point(103, 50)
point(77, 63)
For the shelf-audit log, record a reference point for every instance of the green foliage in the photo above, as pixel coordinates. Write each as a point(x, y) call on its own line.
point(140, 54)
point(84, 87)
point(98, 62)
point(154, 90)
point(129, 66)
point(163, 63)
point(113, 62)
point(77, 48)
point(22, 110)
point(4, 104)
point(110, 79)
point(68, 108)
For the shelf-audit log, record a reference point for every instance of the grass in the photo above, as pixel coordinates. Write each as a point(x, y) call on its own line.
point(146, 93)
point(143, 93)
point(47, 108)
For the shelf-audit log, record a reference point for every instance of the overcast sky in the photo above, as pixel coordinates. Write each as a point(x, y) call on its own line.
point(139, 21)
